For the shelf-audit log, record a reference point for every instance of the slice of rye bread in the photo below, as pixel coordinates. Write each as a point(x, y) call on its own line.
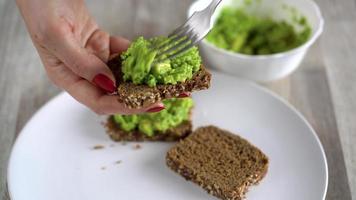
point(137, 96)
point(224, 164)
point(173, 134)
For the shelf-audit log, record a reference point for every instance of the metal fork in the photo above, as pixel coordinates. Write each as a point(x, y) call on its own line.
point(187, 35)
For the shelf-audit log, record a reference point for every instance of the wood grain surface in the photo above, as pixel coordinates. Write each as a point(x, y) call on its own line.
point(323, 89)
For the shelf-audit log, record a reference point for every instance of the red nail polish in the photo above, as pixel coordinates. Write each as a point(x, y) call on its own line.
point(104, 83)
point(155, 109)
point(183, 95)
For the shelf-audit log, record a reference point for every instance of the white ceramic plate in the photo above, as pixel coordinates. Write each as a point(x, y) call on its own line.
point(53, 157)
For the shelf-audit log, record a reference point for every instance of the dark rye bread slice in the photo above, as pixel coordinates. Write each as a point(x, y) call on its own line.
point(173, 134)
point(224, 164)
point(137, 96)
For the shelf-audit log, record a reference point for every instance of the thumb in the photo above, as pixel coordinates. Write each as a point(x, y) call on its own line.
point(86, 64)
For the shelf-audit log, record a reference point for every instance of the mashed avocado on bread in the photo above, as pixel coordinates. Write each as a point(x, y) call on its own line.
point(176, 111)
point(141, 80)
point(237, 31)
point(138, 64)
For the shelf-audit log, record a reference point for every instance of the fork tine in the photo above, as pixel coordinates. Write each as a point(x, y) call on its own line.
point(175, 44)
point(172, 42)
point(181, 50)
point(173, 38)
point(176, 47)
point(183, 43)
point(179, 30)
point(177, 34)
point(176, 54)
point(190, 45)
point(186, 24)
point(187, 35)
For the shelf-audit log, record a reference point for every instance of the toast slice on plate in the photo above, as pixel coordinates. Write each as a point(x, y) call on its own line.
point(222, 163)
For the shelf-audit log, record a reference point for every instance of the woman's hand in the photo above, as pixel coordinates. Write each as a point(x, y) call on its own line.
point(74, 51)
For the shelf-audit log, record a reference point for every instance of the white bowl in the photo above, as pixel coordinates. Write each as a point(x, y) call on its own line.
point(262, 68)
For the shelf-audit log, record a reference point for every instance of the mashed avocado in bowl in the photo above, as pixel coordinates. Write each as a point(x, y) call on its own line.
point(138, 64)
point(238, 31)
point(176, 111)
point(260, 40)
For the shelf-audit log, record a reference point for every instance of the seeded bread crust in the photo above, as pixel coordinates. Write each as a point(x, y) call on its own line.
point(138, 96)
point(174, 134)
point(222, 163)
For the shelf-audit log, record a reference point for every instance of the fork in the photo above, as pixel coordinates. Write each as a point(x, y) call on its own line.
point(187, 35)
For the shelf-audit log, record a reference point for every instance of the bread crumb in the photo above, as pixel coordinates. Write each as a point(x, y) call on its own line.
point(118, 162)
point(137, 146)
point(97, 147)
point(123, 143)
point(103, 168)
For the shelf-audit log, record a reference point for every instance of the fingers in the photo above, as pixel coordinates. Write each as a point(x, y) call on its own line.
point(91, 96)
point(118, 44)
point(98, 44)
point(100, 103)
point(88, 64)
point(184, 95)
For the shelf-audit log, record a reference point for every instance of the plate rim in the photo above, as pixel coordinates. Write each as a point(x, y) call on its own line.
point(247, 82)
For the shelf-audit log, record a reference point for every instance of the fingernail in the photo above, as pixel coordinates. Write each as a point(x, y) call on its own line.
point(104, 83)
point(184, 95)
point(155, 109)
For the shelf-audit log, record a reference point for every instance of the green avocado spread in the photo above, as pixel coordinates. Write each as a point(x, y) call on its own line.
point(176, 111)
point(237, 31)
point(138, 64)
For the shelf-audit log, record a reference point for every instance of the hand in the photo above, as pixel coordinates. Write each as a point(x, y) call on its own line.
point(74, 51)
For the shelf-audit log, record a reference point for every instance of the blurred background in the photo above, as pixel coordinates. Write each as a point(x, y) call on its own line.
point(323, 89)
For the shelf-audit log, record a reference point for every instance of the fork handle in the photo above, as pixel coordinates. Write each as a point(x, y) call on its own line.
point(212, 6)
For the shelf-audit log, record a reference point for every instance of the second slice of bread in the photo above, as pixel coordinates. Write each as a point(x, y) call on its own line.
point(173, 134)
point(222, 163)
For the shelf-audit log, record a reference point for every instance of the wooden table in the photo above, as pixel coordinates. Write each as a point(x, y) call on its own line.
point(323, 88)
